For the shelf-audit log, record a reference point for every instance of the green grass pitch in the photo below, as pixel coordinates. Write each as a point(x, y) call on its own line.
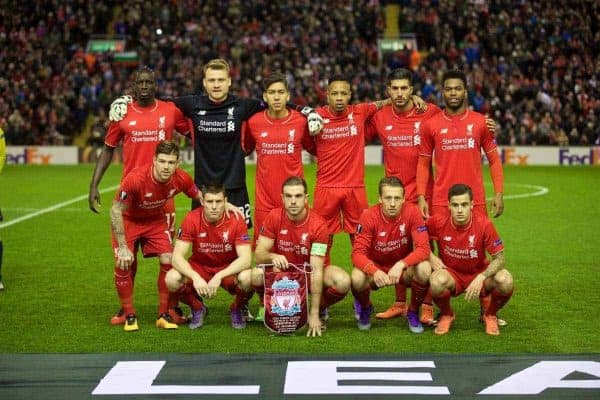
point(58, 269)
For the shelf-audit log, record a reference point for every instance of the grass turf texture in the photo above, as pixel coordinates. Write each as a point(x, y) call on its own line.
point(58, 268)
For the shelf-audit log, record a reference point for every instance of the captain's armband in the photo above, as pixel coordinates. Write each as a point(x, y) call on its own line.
point(318, 249)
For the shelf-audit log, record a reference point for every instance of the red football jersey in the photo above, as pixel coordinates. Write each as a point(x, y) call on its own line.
point(462, 248)
point(455, 142)
point(382, 241)
point(341, 146)
point(144, 197)
point(213, 245)
point(142, 129)
point(400, 137)
point(278, 144)
point(294, 239)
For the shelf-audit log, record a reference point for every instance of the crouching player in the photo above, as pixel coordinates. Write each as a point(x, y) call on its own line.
point(463, 238)
point(295, 234)
point(392, 245)
point(221, 251)
point(137, 219)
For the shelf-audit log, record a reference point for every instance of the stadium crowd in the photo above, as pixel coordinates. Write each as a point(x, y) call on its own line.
point(533, 66)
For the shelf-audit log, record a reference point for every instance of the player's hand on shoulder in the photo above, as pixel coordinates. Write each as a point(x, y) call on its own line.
point(491, 124)
point(237, 211)
point(420, 104)
point(118, 108)
point(315, 123)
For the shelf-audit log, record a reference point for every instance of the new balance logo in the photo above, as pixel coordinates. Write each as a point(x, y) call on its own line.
point(132, 123)
point(283, 232)
point(447, 238)
point(443, 131)
point(264, 134)
point(148, 195)
point(381, 233)
point(202, 234)
point(389, 127)
point(202, 112)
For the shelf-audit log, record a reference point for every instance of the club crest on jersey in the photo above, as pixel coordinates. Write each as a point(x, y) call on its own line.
point(471, 240)
point(417, 126)
point(161, 121)
point(470, 129)
point(291, 135)
point(285, 300)
point(230, 112)
point(402, 229)
point(225, 236)
point(304, 238)
point(202, 112)
point(443, 131)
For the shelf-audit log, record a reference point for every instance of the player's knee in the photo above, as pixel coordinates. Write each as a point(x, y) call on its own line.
point(244, 279)
point(173, 280)
point(257, 277)
point(504, 281)
point(358, 279)
point(439, 281)
point(423, 272)
point(341, 281)
point(164, 258)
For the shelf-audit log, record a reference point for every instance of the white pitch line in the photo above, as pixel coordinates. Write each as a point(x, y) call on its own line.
point(51, 208)
point(540, 191)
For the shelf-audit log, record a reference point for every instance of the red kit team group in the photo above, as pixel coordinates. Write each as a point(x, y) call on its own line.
point(392, 241)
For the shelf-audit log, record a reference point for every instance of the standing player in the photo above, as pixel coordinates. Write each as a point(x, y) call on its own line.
point(340, 195)
point(220, 252)
point(455, 139)
point(398, 128)
point(463, 238)
point(278, 135)
point(137, 220)
point(2, 161)
point(391, 246)
point(295, 234)
point(148, 122)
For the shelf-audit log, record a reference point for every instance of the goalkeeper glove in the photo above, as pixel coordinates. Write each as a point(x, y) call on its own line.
point(118, 108)
point(315, 123)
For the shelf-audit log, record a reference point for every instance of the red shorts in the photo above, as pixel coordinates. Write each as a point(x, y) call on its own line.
point(228, 283)
point(445, 211)
point(340, 207)
point(462, 281)
point(152, 235)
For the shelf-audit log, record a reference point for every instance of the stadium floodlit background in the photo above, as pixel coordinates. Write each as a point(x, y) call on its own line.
point(532, 66)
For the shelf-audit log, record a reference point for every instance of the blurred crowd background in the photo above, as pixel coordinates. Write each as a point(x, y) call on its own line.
point(533, 66)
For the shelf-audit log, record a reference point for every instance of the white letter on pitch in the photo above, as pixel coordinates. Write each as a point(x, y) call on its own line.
point(545, 375)
point(321, 377)
point(136, 377)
